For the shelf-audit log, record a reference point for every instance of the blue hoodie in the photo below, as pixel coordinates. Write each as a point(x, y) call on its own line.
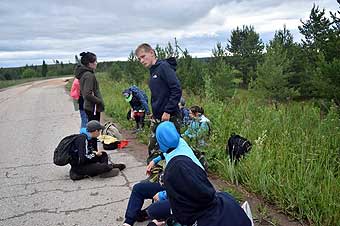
point(165, 88)
point(192, 197)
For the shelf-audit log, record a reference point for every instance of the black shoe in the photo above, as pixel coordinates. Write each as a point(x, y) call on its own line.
point(120, 166)
point(75, 176)
point(111, 173)
point(142, 216)
point(151, 224)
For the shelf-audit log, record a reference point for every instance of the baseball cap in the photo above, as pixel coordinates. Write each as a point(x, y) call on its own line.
point(94, 125)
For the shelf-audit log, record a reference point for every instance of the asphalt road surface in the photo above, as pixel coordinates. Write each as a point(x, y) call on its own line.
point(35, 192)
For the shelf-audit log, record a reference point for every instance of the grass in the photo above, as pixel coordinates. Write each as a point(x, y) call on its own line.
point(9, 83)
point(295, 159)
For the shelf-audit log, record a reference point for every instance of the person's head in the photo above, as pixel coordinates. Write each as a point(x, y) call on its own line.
point(127, 95)
point(146, 55)
point(196, 111)
point(94, 128)
point(89, 60)
point(167, 136)
point(181, 102)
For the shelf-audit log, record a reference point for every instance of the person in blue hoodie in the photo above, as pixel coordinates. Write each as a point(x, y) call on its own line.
point(88, 162)
point(192, 197)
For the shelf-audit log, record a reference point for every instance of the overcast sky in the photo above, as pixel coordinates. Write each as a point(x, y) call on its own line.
point(40, 29)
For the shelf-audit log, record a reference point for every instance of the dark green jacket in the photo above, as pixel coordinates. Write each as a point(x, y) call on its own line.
point(89, 89)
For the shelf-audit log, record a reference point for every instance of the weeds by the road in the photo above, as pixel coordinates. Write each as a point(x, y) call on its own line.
point(295, 158)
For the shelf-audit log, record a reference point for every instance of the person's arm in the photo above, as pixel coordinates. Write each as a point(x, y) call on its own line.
point(88, 90)
point(169, 76)
point(84, 157)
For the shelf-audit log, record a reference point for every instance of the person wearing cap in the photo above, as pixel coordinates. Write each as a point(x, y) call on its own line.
point(193, 199)
point(139, 105)
point(87, 161)
point(184, 112)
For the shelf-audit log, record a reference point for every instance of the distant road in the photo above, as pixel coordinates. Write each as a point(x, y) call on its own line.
point(34, 192)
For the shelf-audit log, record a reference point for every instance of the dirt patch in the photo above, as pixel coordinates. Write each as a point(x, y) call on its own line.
point(264, 214)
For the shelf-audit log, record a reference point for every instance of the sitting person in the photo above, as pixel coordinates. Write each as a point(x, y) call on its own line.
point(86, 161)
point(184, 112)
point(139, 105)
point(192, 197)
point(199, 128)
point(159, 210)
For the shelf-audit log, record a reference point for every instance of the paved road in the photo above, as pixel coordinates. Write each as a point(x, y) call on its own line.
point(33, 191)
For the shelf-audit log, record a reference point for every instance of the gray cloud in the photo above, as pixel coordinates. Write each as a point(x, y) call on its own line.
point(35, 30)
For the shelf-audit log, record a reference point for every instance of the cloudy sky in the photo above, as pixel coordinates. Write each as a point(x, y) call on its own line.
point(40, 29)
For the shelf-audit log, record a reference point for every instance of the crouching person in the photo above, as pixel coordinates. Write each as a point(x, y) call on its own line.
point(86, 161)
point(193, 199)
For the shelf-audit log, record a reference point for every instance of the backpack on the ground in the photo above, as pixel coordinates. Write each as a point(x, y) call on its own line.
point(62, 156)
point(111, 130)
point(237, 147)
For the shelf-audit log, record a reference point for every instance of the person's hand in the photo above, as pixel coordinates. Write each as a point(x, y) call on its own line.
point(165, 116)
point(99, 153)
point(149, 167)
point(156, 197)
point(132, 115)
point(159, 223)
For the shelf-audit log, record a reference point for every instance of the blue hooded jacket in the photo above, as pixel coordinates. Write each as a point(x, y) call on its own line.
point(192, 197)
point(165, 88)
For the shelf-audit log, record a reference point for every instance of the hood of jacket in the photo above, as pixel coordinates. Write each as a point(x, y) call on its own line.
point(167, 136)
point(171, 61)
point(84, 131)
point(80, 70)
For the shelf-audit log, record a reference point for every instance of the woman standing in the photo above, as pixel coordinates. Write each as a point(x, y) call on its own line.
point(89, 88)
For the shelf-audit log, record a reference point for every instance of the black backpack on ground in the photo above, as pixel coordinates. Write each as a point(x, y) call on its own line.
point(237, 147)
point(62, 156)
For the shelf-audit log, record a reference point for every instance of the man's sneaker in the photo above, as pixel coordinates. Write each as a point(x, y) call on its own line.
point(75, 176)
point(120, 166)
point(114, 172)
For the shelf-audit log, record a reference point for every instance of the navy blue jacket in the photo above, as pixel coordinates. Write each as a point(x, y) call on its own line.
point(193, 199)
point(165, 88)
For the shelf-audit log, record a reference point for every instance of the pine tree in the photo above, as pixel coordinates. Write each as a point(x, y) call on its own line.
point(246, 49)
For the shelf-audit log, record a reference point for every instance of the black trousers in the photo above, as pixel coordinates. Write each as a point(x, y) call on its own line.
point(93, 169)
point(92, 116)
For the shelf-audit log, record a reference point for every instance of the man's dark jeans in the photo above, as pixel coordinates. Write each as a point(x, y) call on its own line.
point(93, 169)
point(146, 190)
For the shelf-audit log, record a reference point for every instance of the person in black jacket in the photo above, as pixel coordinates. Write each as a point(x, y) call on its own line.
point(89, 88)
point(85, 161)
point(165, 90)
point(164, 85)
point(193, 199)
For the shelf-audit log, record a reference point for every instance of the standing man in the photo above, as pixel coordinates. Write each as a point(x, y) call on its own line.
point(165, 87)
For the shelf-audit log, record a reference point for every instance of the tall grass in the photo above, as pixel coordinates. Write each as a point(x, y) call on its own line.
point(295, 158)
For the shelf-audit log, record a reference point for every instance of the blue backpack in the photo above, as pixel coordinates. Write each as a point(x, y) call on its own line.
point(141, 95)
